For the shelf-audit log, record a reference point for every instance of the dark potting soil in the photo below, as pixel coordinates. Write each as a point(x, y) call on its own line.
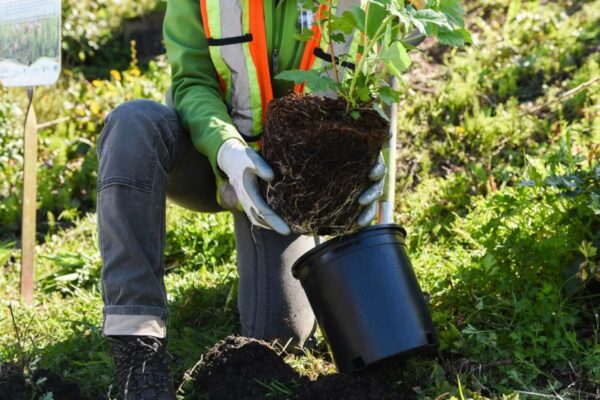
point(53, 383)
point(12, 383)
point(352, 387)
point(236, 366)
point(321, 157)
point(14, 386)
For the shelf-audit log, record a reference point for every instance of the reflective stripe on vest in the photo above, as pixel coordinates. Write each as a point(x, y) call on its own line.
point(235, 30)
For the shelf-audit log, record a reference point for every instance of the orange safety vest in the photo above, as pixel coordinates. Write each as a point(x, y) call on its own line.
point(235, 32)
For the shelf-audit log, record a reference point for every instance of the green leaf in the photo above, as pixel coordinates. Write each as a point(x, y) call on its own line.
point(535, 169)
point(323, 84)
point(381, 3)
point(595, 203)
point(364, 93)
point(388, 95)
point(313, 80)
point(355, 115)
point(431, 16)
point(346, 23)
point(338, 37)
point(453, 38)
point(454, 12)
point(309, 4)
point(67, 278)
point(419, 25)
point(295, 75)
point(395, 58)
point(359, 17)
point(381, 113)
point(376, 15)
point(361, 80)
point(466, 35)
point(6, 252)
point(388, 37)
point(431, 20)
point(404, 15)
point(305, 36)
point(513, 10)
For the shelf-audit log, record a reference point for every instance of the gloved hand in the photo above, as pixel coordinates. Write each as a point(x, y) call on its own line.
point(370, 196)
point(242, 165)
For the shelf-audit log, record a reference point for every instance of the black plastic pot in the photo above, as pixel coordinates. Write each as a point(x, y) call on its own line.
point(366, 297)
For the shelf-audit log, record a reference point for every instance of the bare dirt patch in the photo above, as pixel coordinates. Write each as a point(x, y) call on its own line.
point(243, 368)
point(15, 386)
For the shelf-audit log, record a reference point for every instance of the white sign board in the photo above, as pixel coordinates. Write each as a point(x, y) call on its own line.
point(29, 42)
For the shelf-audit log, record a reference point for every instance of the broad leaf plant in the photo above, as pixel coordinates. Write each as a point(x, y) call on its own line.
point(383, 28)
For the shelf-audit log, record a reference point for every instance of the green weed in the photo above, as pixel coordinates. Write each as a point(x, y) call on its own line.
point(499, 189)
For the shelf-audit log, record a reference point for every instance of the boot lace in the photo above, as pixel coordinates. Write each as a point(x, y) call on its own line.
point(141, 368)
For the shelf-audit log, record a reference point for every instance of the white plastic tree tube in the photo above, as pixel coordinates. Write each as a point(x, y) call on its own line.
point(386, 204)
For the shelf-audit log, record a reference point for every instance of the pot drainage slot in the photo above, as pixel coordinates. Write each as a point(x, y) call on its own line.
point(358, 363)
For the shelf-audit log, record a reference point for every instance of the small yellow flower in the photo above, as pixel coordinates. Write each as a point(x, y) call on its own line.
point(135, 72)
point(97, 83)
point(460, 130)
point(115, 74)
point(95, 107)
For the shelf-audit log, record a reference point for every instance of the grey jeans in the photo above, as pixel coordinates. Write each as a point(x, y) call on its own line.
point(144, 156)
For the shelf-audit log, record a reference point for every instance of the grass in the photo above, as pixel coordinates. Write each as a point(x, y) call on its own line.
point(499, 189)
point(64, 326)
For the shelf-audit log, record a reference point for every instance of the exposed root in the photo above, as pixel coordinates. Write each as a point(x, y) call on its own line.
point(321, 158)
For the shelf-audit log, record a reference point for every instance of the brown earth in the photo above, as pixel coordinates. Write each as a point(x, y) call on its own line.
point(241, 368)
point(321, 157)
point(14, 386)
point(238, 367)
point(12, 383)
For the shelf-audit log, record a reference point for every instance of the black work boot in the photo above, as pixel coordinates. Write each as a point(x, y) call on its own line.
point(141, 368)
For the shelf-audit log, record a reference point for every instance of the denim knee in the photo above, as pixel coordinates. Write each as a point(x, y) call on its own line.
point(136, 139)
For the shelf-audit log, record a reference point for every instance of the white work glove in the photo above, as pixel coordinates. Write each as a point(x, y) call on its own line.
point(242, 165)
point(370, 196)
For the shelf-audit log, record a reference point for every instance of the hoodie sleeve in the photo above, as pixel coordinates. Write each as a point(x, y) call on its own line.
point(196, 93)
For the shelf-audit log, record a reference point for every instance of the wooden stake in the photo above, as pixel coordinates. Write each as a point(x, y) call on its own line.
point(29, 202)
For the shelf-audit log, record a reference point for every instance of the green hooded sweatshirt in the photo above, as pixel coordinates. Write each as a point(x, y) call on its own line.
point(195, 89)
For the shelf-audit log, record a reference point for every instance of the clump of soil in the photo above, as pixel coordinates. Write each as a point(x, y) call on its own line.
point(49, 382)
point(351, 387)
point(321, 157)
point(234, 367)
point(14, 385)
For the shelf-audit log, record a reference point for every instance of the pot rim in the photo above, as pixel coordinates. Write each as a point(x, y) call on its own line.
point(336, 241)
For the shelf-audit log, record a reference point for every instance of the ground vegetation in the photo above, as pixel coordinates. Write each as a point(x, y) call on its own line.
point(498, 188)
